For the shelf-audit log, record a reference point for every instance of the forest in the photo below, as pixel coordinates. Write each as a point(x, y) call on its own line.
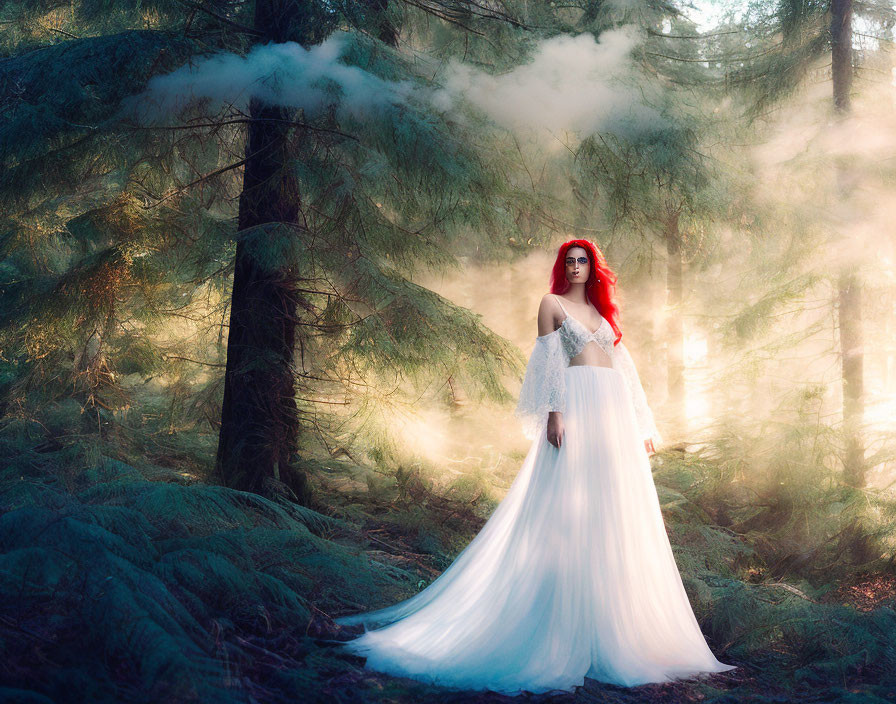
point(269, 275)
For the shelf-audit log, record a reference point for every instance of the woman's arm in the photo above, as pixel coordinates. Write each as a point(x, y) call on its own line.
point(549, 315)
point(543, 392)
point(549, 318)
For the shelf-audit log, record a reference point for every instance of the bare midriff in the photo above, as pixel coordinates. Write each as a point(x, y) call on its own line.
point(592, 355)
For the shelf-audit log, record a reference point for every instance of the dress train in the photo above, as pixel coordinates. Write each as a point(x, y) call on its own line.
point(572, 576)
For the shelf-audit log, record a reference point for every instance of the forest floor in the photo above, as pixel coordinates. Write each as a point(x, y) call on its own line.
point(770, 676)
point(143, 583)
point(766, 680)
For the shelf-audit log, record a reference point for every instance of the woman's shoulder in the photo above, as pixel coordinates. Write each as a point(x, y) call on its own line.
point(549, 299)
point(550, 313)
point(549, 306)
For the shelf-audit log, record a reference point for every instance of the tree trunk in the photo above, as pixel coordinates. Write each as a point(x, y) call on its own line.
point(849, 320)
point(675, 323)
point(841, 53)
point(259, 423)
point(849, 285)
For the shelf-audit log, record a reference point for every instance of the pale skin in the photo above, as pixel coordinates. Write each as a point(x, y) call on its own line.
point(550, 317)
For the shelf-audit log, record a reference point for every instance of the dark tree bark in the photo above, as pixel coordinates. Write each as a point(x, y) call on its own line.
point(841, 53)
point(259, 423)
point(849, 285)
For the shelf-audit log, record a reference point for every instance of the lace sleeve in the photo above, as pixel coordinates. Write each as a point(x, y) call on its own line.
point(622, 361)
point(544, 385)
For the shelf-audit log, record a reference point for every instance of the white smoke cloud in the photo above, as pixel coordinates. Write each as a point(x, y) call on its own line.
point(284, 74)
point(571, 83)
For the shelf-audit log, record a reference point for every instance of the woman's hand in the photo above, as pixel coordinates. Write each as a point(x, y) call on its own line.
point(648, 445)
point(555, 428)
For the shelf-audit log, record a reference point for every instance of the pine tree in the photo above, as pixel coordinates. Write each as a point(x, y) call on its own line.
point(131, 212)
point(259, 420)
point(849, 284)
point(791, 42)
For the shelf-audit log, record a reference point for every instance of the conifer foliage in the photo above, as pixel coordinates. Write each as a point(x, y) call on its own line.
point(120, 214)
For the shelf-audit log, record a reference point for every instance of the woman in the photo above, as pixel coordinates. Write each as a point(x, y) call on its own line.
point(572, 576)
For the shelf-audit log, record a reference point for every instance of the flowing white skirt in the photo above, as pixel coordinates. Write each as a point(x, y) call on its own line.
point(571, 577)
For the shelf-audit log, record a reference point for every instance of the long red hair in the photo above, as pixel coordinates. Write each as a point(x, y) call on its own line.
point(600, 288)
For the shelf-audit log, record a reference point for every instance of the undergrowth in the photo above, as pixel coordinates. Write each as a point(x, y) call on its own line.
point(137, 582)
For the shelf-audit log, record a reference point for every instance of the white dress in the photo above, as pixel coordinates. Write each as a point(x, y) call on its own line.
point(572, 576)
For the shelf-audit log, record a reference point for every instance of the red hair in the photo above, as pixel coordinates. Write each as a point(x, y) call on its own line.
point(600, 288)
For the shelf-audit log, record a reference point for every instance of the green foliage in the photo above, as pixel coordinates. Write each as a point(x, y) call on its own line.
point(753, 613)
point(790, 38)
point(780, 487)
point(756, 317)
point(56, 120)
point(831, 641)
point(116, 268)
point(789, 46)
point(151, 590)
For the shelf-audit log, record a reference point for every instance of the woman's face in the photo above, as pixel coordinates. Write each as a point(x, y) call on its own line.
point(578, 266)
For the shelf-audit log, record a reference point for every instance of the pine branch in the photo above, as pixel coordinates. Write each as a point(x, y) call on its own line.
point(653, 33)
point(452, 11)
point(236, 25)
point(194, 361)
point(241, 121)
point(206, 177)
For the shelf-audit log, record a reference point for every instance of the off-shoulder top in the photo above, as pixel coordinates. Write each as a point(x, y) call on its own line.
point(544, 383)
